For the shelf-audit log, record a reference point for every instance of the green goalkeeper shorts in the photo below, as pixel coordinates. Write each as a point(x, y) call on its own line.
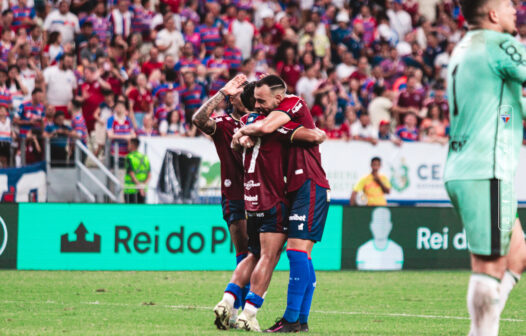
point(487, 210)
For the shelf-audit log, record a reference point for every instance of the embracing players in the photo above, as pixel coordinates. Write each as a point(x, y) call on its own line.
point(307, 194)
point(485, 77)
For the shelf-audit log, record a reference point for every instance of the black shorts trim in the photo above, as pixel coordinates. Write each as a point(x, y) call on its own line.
point(495, 216)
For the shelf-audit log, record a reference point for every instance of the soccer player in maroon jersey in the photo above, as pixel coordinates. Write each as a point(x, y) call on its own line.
point(221, 129)
point(308, 194)
point(265, 201)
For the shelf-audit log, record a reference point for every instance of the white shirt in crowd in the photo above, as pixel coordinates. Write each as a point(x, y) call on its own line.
point(400, 22)
point(344, 71)
point(379, 109)
point(442, 61)
point(5, 129)
point(67, 25)
point(59, 85)
point(174, 39)
point(27, 76)
point(305, 87)
point(365, 132)
point(244, 33)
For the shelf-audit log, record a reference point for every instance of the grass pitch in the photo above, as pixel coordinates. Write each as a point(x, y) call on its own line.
point(180, 303)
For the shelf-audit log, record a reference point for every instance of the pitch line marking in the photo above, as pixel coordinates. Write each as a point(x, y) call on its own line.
point(331, 312)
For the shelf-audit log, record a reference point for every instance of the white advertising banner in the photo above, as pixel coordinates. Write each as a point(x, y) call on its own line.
point(415, 170)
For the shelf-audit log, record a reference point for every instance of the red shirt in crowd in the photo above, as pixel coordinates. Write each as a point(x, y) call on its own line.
point(91, 103)
point(141, 101)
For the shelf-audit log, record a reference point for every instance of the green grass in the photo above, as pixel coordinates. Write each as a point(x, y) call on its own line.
point(180, 303)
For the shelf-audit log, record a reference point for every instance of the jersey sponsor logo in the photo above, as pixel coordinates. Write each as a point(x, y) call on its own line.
point(456, 145)
point(250, 184)
point(298, 171)
point(505, 118)
point(227, 183)
point(282, 130)
point(512, 52)
point(296, 217)
point(251, 198)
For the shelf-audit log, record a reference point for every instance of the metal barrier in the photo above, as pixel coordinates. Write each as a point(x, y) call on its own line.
point(81, 169)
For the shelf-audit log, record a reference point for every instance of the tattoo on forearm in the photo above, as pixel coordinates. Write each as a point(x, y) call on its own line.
point(201, 117)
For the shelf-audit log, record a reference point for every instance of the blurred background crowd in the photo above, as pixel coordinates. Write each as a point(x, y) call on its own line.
point(111, 70)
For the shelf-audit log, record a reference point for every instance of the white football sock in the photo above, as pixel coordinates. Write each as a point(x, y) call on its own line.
point(483, 305)
point(250, 310)
point(229, 298)
point(507, 283)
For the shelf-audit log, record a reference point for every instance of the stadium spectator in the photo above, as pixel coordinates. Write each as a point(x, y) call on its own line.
point(152, 63)
point(78, 124)
point(381, 106)
point(91, 94)
point(345, 69)
point(15, 86)
point(33, 149)
point(120, 129)
point(307, 84)
point(92, 51)
point(363, 130)
point(232, 55)
point(147, 128)
point(210, 33)
point(58, 133)
point(7, 135)
point(399, 19)
point(244, 32)
point(100, 22)
point(169, 40)
point(30, 114)
point(101, 115)
point(173, 125)
point(192, 94)
point(436, 120)
point(373, 186)
point(137, 167)
point(62, 21)
point(408, 131)
point(120, 19)
point(410, 99)
point(141, 101)
point(61, 84)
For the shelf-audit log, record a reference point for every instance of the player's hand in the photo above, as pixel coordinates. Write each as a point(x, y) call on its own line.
point(235, 85)
point(246, 141)
point(236, 137)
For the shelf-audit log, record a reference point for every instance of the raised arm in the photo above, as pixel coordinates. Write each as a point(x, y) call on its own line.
point(201, 117)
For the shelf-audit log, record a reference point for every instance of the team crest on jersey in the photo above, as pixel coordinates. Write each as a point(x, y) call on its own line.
point(505, 118)
point(251, 118)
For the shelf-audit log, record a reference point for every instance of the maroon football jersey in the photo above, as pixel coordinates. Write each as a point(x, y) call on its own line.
point(231, 164)
point(304, 161)
point(411, 99)
point(265, 167)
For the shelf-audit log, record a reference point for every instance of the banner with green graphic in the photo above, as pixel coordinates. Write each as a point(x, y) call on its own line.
point(141, 237)
point(8, 235)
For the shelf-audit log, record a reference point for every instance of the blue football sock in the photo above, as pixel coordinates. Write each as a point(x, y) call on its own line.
point(298, 282)
point(245, 292)
point(307, 299)
point(240, 300)
point(235, 290)
point(254, 299)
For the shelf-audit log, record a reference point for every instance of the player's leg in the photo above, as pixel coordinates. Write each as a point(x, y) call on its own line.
point(306, 222)
point(235, 216)
point(272, 239)
point(516, 263)
point(478, 203)
point(225, 310)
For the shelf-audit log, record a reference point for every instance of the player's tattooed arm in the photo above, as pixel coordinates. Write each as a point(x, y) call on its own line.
point(201, 117)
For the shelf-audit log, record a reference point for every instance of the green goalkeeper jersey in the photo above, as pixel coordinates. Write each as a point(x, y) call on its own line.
point(485, 77)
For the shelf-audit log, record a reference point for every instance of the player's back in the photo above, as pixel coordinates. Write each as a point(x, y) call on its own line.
point(231, 162)
point(484, 94)
point(304, 161)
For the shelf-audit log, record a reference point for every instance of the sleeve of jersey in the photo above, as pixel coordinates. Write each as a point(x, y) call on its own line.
point(286, 132)
point(359, 186)
point(287, 107)
point(509, 59)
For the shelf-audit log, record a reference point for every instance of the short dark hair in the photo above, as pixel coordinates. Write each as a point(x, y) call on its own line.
point(36, 90)
point(376, 158)
point(135, 142)
point(77, 104)
point(247, 96)
point(273, 82)
point(472, 10)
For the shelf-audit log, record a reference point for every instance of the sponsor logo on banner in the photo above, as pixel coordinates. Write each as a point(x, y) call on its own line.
point(151, 237)
point(400, 176)
point(81, 244)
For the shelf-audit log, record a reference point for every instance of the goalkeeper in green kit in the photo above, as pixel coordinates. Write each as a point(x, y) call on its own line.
point(485, 77)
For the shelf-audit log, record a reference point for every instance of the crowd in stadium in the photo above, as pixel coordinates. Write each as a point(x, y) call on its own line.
point(98, 70)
